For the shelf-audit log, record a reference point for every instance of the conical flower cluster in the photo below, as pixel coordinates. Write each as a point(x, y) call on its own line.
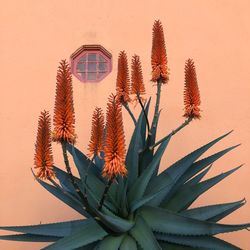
point(122, 81)
point(43, 159)
point(114, 148)
point(137, 85)
point(97, 133)
point(64, 117)
point(191, 92)
point(160, 71)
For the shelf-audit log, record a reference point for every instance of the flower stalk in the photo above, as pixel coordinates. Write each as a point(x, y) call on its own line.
point(157, 106)
point(105, 193)
point(126, 106)
point(184, 124)
point(86, 176)
point(144, 112)
point(68, 169)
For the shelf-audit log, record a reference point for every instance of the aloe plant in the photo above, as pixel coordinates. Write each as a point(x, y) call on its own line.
point(138, 207)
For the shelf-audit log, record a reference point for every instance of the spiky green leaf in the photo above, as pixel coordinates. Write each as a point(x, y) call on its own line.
point(141, 183)
point(168, 246)
point(147, 198)
point(80, 237)
point(99, 163)
point(65, 181)
point(212, 211)
point(195, 180)
point(60, 229)
point(84, 162)
point(178, 168)
point(135, 146)
point(90, 246)
point(62, 195)
point(110, 243)
point(121, 196)
point(207, 242)
point(164, 221)
point(198, 166)
point(29, 238)
point(188, 194)
point(115, 223)
point(128, 243)
point(97, 185)
point(94, 198)
point(146, 156)
point(142, 233)
point(195, 168)
point(171, 175)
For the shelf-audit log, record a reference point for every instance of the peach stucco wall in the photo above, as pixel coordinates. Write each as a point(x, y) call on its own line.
point(36, 35)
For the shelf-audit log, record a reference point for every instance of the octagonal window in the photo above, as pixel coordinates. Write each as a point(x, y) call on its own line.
point(91, 63)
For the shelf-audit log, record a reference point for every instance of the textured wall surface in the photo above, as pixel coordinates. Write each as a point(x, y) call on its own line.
point(36, 35)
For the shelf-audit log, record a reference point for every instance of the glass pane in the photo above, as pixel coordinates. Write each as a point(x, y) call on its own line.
point(101, 75)
point(91, 76)
point(81, 67)
point(92, 57)
point(103, 66)
point(101, 58)
point(91, 67)
point(83, 58)
point(82, 76)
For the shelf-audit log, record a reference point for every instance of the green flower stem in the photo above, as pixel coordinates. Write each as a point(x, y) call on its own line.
point(157, 105)
point(66, 161)
point(105, 193)
point(144, 112)
point(184, 124)
point(86, 177)
point(130, 112)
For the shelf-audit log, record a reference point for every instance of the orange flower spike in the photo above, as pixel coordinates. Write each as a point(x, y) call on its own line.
point(43, 159)
point(191, 92)
point(64, 117)
point(97, 133)
point(137, 85)
point(114, 148)
point(160, 71)
point(122, 81)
